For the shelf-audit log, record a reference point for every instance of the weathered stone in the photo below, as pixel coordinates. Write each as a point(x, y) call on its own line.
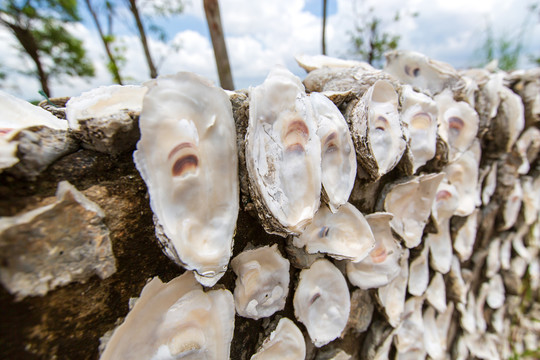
point(54, 245)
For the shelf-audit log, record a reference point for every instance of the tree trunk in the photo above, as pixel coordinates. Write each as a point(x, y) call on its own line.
point(114, 66)
point(28, 42)
point(213, 17)
point(135, 11)
point(324, 28)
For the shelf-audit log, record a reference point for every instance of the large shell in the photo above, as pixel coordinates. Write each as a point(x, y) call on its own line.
point(376, 130)
point(343, 235)
point(337, 152)
point(419, 116)
point(410, 201)
point(322, 302)
point(262, 282)
point(285, 342)
point(105, 118)
point(421, 72)
point(283, 154)
point(382, 264)
point(187, 157)
point(176, 320)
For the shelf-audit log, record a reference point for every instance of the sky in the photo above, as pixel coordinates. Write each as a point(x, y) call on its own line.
point(260, 34)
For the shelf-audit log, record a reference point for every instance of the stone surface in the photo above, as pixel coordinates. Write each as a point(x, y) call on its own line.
point(54, 245)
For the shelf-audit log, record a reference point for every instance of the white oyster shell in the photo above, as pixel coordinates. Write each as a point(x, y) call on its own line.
point(338, 156)
point(419, 273)
point(409, 336)
point(531, 198)
point(322, 302)
point(283, 153)
point(410, 201)
point(419, 115)
point(511, 206)
point(104, 102)
point(313, 62)
point(262, 282)
point(528, 147)
point(175, 320)
point(382, 264)
point(285, 342)
point(421, 72)
point(458, 124)
point(187, 157)
point(105, 118)
point(436, 292)
point(344, 234)
point(17, 115)
point(377, 131)
point(463, 174)
point(466, 236)
point(392, 296)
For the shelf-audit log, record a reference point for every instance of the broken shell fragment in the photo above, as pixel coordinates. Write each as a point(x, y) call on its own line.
point(283, 154)
point(422, 72)
point(322, 302)
point(458, 124)
point(285, 342)
point(175, 320)
point(419, 115)
point(31, 138)
point(410, 201)
point(382, 264)
point(344, 234)
point(436, 293)
point(105, 119)
point(262, 282)
point(338, 156)
point(419, 273)
point(376, 130)
point(187, 157)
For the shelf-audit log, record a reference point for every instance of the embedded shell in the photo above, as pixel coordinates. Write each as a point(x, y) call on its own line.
point(283, 154)
point(188, 162)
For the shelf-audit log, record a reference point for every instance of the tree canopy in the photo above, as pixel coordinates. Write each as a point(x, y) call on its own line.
point(40, 29)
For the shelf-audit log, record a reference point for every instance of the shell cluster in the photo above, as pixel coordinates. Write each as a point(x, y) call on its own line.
point(417, 184)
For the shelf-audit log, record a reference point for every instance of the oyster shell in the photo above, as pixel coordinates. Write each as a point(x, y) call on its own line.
point(436, 293)
point(458, 124)
point(283, 154)
point(409, 336)
point(285, 342)
point(344, 234)
point(419, 273)
point(377, 131)
point(531, 198)
point(410, 201)
point(313, 62)
point(528, 147)
point(187, 157)
point(262, 282)
point(512, 206)
point(419, 116)
point(382, 264)
point(338, 157)
point(463, 174)
point(175, 320)
point(322, 302)
point(392, 296)
point(31, 138)
point(466, 236)
point(105, 118)
point(421, 72)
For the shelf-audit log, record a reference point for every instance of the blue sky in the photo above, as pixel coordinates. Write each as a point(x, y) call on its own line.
point(260, 34)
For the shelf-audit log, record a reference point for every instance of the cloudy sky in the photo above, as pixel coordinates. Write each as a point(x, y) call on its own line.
point(260, 34)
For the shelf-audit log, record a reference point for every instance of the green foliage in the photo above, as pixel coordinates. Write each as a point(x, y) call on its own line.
point(370, 41)
point(39, 27)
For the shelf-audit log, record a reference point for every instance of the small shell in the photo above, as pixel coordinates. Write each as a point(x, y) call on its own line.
point(392, 296)
point(313, 62)
point(322, 302)
point(285, 342)
point(262, 282)
point(344, 234)
point(419, 273)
